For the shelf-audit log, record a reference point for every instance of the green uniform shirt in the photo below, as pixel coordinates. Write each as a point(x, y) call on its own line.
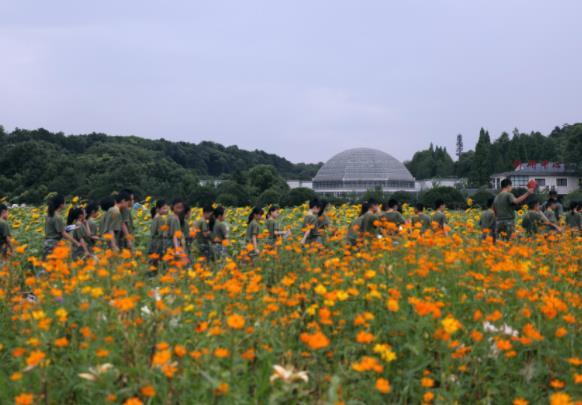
point(311, 222)
point(395, 217)
point(4, 232)
point(355, 229)
point(273, 227)
point(323, 222)
point(487, 220)
point(551, 215)
point(503, 205)
point(573, 220)
point(368, 225)
point(174, 224)
point(54, 227)
point(440, 218)
point(424, 221)
point(252, 230)
point(93, 227)
point(113, 220)
point(219, 232)
point(159, 228)
point(532, 220)
point(202, 228)
point(127, 219)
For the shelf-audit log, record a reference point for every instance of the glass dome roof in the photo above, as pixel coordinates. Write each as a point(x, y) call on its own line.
point(363, 164)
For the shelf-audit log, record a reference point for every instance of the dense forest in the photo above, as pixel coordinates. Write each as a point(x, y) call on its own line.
point(34, 163)
point(563, 144)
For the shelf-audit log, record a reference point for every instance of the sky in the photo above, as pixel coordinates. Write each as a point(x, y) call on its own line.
point(304, 79)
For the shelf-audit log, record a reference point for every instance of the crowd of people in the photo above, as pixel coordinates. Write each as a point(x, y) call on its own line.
point(172, 231)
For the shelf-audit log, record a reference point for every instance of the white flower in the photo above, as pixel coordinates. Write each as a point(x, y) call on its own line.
point(288, 374)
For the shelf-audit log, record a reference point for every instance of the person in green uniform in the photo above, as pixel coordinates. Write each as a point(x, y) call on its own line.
point(126, 241)
point(391, 216)
point(203, 233)
point(175, 225)
point(5, 236)
point(551, 213)
point(76, 228)
point(274, 226)
point(534, 219)
point(219, 233)
point(371, 219)
point(504, 208)
point(113, 224)
point(355, 228)
point(487, 221)
point(559, 208)
point(54, 226)
point(323, 222)
point(253, 229)
point(186, 226)
point(421, 218)
point(92, 211)
point(439, 217)
point(160, 240)
point(105, 204)
point(573, 217)
point(310, 228)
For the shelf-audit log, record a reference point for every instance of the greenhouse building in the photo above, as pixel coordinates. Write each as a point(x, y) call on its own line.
point(358, 170)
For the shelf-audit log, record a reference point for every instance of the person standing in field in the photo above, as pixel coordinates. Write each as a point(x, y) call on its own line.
point(175, 226)
point(113, 227)
point(559, 208)
point(392, 217)
point(323, 222)
point(203, 233)
point(487, 220)
point(439, 217)
point(92, 211)
point(534, 219)
point(421, 218)
point(185, 225)
point(160, 239)
point(253, 230)
point(504, 208)
point(5, 235)
point(371, 220)
point(574, 217)
point(219, 233)
point(274, 226)
point(355, 228)
point(78, 231)
point(551, 213)
point(126, 241)
point(310, 223)
point(54, 226)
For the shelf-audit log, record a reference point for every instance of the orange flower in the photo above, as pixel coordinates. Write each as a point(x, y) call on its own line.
point(161, 357)
point(315, 340)
point(428, 396)
point(222, 389)
point(24, 399)
point(427, 382)
point(62, 342)
point(235, 321)
point(148, 391)
point(383, 385)
point(368, 364)
point(221, 353)
point(364, 337)
point(560, 398)
point(249, 354)
point(35, 358)
point(133, 401)
point(520, 401)
point(180, 350)
point(503, 344)
point(557, 384)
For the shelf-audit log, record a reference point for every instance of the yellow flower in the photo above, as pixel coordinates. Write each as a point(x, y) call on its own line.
point(450, 324)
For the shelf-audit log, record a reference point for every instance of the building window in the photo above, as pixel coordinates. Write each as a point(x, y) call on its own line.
point(519, 181)
point(561, 182)
point(541, 182)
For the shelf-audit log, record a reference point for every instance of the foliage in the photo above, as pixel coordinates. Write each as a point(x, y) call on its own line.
point(481, 197)
point(297, 196)
point(94, 165)
point(451, 196)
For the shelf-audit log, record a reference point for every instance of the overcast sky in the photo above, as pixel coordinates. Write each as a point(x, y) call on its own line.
point(303, 79)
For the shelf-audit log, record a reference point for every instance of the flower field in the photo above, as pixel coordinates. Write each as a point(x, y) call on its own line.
point(409, 318)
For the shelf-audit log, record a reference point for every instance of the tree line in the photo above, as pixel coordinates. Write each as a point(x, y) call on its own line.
point(34, 163)
point(563, 144)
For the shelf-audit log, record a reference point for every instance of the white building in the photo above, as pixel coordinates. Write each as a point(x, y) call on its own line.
point(300, 183)
point(548, 175)
point(427, 184)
